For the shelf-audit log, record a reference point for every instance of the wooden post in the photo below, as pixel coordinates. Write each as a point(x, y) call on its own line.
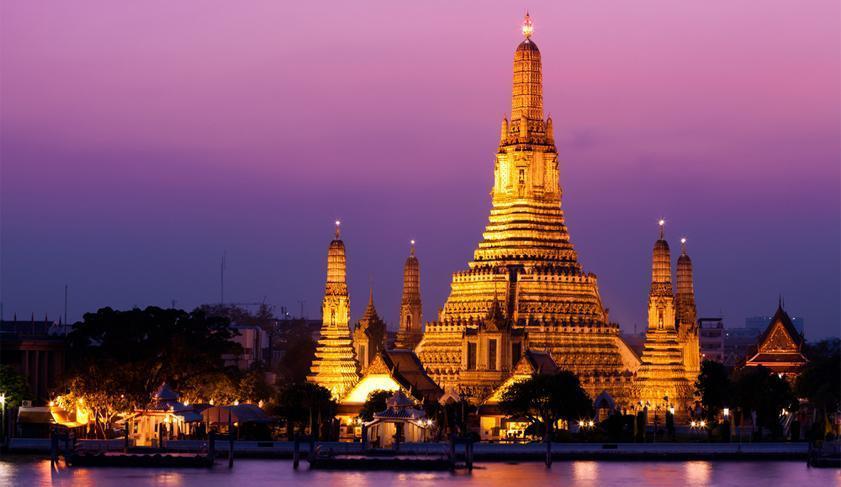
point(452, 452)
point(548, 440)
point(468, 454)
point(125, 444)
point(230, 440)
point(296, 452)
point(211, 446)
point(53, 447)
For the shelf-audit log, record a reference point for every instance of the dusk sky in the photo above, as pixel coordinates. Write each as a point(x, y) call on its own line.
point(140, 141)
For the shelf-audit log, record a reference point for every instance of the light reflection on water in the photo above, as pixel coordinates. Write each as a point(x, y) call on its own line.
point(31, 472)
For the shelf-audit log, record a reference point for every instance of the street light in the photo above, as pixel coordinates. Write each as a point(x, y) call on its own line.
point(3, 416)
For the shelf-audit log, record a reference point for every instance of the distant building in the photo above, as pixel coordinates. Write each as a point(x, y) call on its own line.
point(759, 323)
point(36, 350)
point(255, 346)
point(711, 339)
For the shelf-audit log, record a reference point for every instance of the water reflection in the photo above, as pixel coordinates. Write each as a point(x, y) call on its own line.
point(698, 473)
point(585, 473)
point(34, 472)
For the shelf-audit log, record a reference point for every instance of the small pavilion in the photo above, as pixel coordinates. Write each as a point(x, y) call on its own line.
point(401, 421)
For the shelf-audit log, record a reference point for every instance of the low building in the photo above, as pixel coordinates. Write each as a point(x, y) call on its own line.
point(255, 346)
point(164, 418)
point(494, 425)
point(401, 421)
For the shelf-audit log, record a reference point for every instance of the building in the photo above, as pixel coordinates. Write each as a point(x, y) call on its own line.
point(35, 349)
point(527, 263)
point(780, 348)
point(662, 380)
point(369, 335)
point(711, 335)
point(335, 366)
point(411, 324)
point(255, 346)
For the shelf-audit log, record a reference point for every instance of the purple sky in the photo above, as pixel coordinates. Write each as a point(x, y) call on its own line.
point(141, 140)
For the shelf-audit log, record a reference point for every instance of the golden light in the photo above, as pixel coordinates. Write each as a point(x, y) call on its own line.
point(528, 26)
point(661, 222)
point(581, 424)
point(412, 242)
point(672, 410)
point(236, 403)
point(186, 403)
point(374, 382)
point(591, 423)
point(726, 412)
point(260, 404)
point(702, 423)
point(52, 403)
point(692, 424)
point(211, 402)
point(683, 240)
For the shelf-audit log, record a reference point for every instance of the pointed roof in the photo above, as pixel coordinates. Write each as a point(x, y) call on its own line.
point(781, 321)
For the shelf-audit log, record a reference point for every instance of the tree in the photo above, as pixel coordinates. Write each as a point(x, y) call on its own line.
point(306, 404)
point(820, 381)
point(375, 403)
point(760, 391)
point(119, 358)
point(13, 386)
point(716, 389)
point(544, 399)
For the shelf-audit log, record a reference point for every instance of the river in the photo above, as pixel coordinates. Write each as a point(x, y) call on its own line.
point(28, 471)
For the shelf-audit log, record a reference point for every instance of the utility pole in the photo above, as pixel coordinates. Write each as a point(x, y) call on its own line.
point(65, 304)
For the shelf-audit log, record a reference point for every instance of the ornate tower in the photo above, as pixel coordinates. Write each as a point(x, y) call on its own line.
point(687, 323)
point(335, 366)
point(410, 331)
point(526, 259)
point(661, 379)
point(369, 335)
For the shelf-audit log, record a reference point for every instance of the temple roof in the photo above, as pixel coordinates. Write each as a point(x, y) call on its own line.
point(782, 318)
point(408, 370)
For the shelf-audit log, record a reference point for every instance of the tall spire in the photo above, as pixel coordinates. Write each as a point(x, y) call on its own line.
point(527, 93)
point(335, 366)
point(686, 311)
point(410, 332)
point(338, 223)
point(661, 266)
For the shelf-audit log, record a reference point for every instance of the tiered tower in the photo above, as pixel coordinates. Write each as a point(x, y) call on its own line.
point(687, 323)
point(335, 366)
point(369, 335)
point(410, 332)
point(661, 379)
point(526, 258)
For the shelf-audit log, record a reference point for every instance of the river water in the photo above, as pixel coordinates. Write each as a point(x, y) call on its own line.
point(25, 471)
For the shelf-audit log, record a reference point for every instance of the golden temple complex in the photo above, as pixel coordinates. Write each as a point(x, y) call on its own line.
point(524, 304)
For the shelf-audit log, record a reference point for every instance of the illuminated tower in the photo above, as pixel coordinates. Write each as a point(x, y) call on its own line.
point(687, 325)
point(335, 366)
point(661, 379)
point(369, 335)
point(526, 259)
point(410, 331)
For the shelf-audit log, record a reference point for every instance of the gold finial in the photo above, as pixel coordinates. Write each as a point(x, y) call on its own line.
point(683, 245)
point(662, 224)
point(412, 248)
point(528, 26)
point(338, 222)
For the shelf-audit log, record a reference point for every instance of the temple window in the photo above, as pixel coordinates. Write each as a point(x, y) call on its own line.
point(522, 176)
point(471, 356)
point(492, 354)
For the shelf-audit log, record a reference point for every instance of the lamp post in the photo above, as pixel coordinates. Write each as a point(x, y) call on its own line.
point(726, 413)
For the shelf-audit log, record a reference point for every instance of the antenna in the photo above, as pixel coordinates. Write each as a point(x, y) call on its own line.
point(65, 304)
point(222, 279)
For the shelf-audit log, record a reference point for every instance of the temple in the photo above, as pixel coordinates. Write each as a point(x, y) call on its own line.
point(335, 366)
point(523, 305)
point(780, 347)
point(526, 265)
point(662, 380)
